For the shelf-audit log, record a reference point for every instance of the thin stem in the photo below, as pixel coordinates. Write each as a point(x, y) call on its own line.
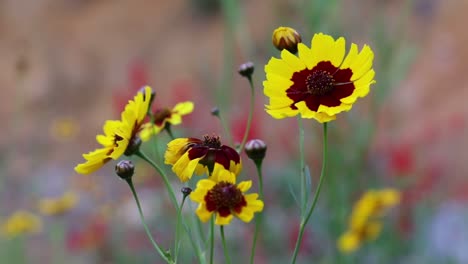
point(169, 130)
point(155, 245)
point(317, 192)
point(249, 120)
point(259, 218)
point(226, 129)
point(177, 230)
point(164, 177)
point(225, 249)
point(302, 165)
point(211, 239)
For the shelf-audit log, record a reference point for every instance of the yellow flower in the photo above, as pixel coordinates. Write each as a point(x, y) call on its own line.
point(191, 155)
point(320, 82)
point(21, 222)
point(164, 117)
point(60, 205)
point(221, 195)
point(286, 38)
point(120, 136)
point(352, 239)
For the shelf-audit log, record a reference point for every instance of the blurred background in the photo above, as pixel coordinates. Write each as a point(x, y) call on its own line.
point(66, 66)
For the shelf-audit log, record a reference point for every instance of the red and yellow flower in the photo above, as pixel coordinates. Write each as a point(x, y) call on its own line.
point(220, 195)
point(192, 155)
point(164, 117)
point(320, 82)
point(120, 136)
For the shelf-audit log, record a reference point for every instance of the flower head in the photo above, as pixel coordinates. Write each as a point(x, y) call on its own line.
point(164, 117)
point(221, 195)
point(192, 155)
point(320, 82)
point(21, 222)
point(60, 205)
point(286, 38)
point(353, 238)
point(120, 136)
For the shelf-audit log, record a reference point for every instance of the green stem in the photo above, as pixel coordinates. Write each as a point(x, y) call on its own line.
point(259, 218)
point(169, 131)
point(249, 120)
point(226, 129)
point(302, 166)
point(225, 249)
point(317, 192)
point(155, 245)
point(164, 177)
point(177, 230)
point(57, 236)
point(211, 239)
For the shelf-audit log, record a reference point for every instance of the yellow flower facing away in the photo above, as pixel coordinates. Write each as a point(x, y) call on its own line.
point(373, 203)
point(164, 117)
point(120, 136)
point(353, 239)
point(21, 222)
point(320, 82)
point(364, 222)
point(60, 205)
point(192, 155)
point(220, 195)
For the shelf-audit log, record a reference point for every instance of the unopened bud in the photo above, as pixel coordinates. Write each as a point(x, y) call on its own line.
point(246, 69)
point(286, 38)
point(215, 111)
point(186, 191)
point(125, 169)
point(153, 95)
point(133, 146)
point(256, 149)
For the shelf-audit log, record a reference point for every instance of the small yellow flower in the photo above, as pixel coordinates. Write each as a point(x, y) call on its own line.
point(320, 82)
point(352, 239)
point(60, 205)
point(191, 155)
point(221, 195)
point(21, 222)
point(286, 38)
point(164, 117)
point(120, 136)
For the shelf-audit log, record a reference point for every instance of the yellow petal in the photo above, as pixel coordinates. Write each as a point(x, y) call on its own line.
point(244, 186)
point(203, 213)
point(220, 220)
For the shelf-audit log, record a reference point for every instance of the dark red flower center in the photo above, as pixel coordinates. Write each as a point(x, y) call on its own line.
point(224, 198)
point(319, 82)
point(324, 84)
point(211, 142)
point(161, 115)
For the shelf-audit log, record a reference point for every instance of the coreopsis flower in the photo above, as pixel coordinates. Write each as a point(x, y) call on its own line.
point(364, 222)
point(320, 81)
point(60, 205)
point(21, 222)
point(192, 155)
point(353, 238)
point(221, 195)
point(120, 136)
point(164, 117)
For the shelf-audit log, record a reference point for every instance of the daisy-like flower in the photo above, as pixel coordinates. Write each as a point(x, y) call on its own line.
point(364, 222)
point(320, 82)
point(192, 155)
point(164, 117)
point(120, 136)
point(60, 205)
point(221, 195)
point(21, 222)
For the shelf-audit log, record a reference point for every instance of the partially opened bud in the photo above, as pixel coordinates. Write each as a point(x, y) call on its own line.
point(286, 38)
point(256, 149)
point(246, 69)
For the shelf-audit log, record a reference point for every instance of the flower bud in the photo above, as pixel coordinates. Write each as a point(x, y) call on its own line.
point(256, 149)
point(215, 111)
point(246, 69)
point(286, 38)
point(133, 146)
point(186, 191)
point(125, 169)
